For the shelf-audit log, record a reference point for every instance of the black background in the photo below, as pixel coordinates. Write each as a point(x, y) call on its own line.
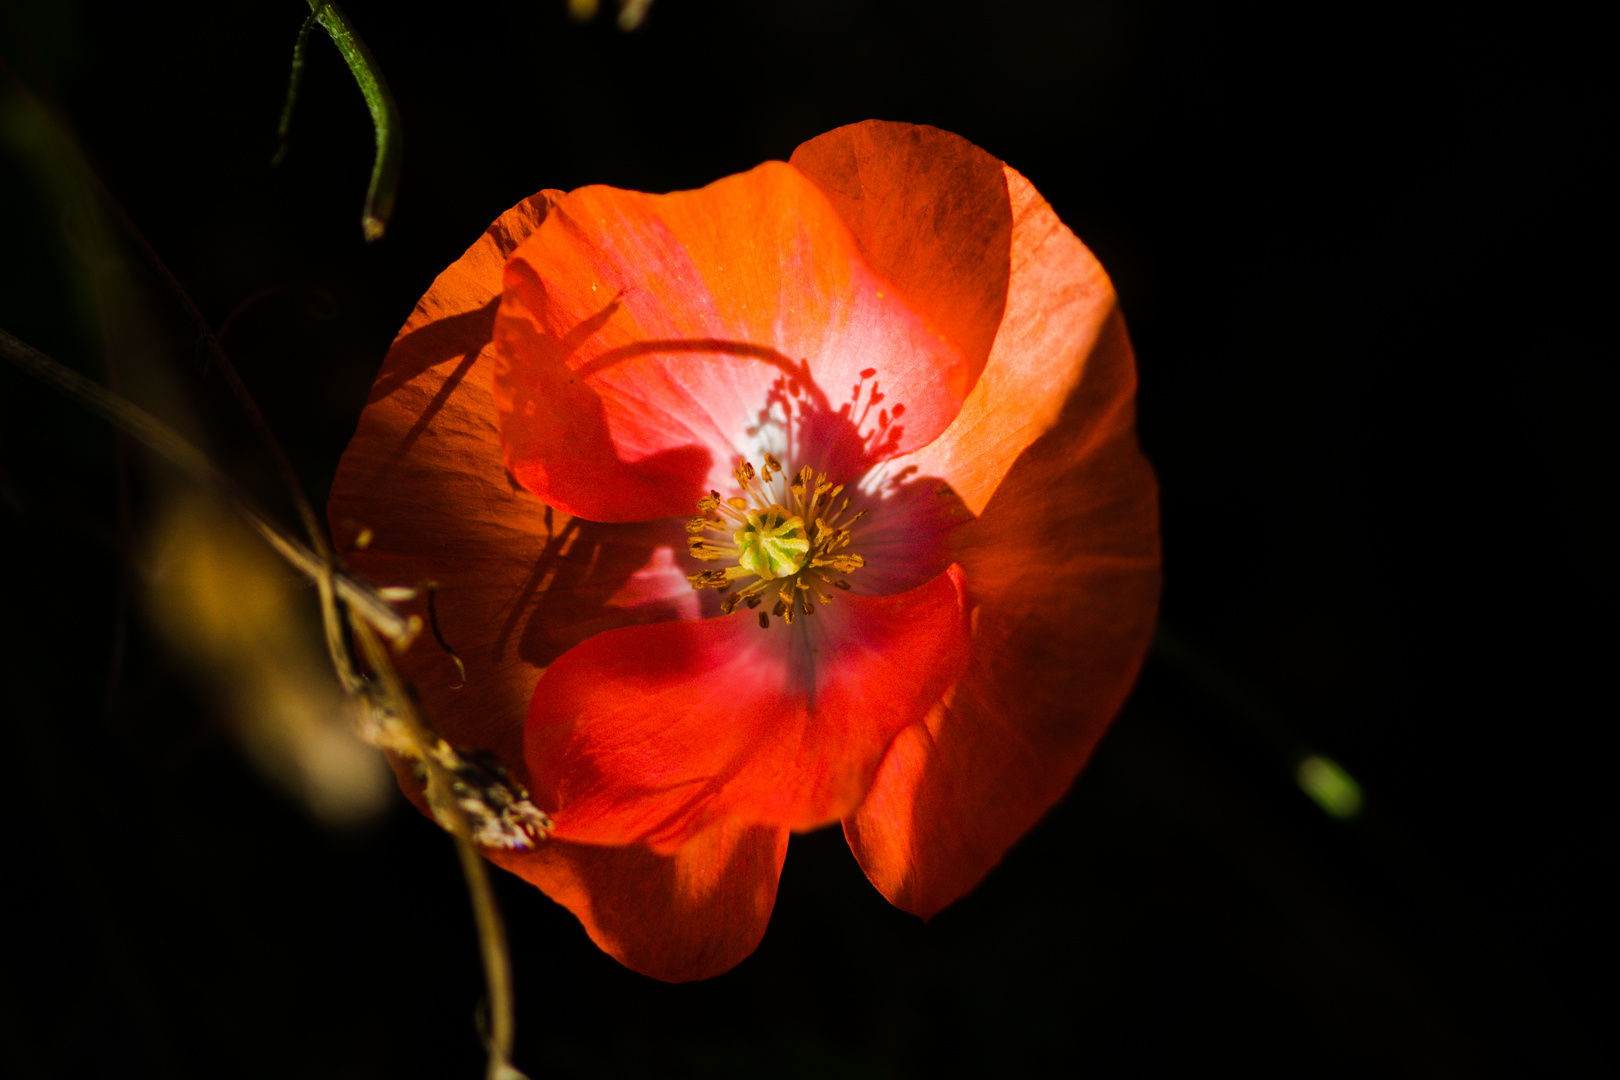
point(1356, 254)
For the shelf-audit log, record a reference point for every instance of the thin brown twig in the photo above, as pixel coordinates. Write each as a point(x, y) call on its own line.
point(167, 443)
point(265, 294)
point(205, 332)
point(331, 621)
point(123, 504)
point(441, 796)
point(377, 617)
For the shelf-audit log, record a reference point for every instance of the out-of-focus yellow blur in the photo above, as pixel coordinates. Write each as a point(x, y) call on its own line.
point(631, 12)
point(237, 615)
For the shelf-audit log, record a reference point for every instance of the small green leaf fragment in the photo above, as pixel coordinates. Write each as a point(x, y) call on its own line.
point(1333, 789)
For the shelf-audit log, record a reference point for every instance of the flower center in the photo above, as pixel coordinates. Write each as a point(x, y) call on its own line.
point(769, 541)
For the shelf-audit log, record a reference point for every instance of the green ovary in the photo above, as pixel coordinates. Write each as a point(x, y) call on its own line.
point(772, 544)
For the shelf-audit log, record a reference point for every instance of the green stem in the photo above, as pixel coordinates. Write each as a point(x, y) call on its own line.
point(385, 118)
point(293, 82)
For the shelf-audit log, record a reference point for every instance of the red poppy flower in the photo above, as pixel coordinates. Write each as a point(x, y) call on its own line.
point(876, 405)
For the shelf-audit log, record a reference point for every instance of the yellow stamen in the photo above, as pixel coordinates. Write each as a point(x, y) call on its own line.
point(764, 533)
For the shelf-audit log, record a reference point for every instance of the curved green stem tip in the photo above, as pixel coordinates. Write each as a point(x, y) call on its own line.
point(385, 118)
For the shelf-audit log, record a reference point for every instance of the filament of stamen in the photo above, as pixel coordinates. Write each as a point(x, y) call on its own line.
point(765, 537)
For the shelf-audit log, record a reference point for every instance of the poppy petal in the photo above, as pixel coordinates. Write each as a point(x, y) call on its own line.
point(931, 214)
point(652, 733)
point(1062, 565)
point(905, 537)
point(692, 914)
point(650, 341)
point(518, 585)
